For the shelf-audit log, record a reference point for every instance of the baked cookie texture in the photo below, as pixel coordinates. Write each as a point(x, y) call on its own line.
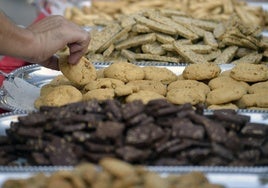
point(186, 95)
point(81, 73)
point(250, 72)
point(201, 71)
point(99, 94)
point(253, 100)
point(58, 96)
point(124, 71)
point(225, 94)
point(161, 74)
point(189, 84)
point(151, 85)
point(144, 95)
point(223, 106)
point(102, 83)
point(225, 81)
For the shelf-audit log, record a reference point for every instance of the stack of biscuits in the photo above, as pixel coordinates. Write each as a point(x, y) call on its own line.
point(219, 10)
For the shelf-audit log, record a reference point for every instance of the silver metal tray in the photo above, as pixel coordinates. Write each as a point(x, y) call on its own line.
point(33, 77)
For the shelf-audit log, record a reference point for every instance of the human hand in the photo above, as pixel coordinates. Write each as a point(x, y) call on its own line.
point(53, 33)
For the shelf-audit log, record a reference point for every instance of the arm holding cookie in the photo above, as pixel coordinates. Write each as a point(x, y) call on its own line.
point(39, 42)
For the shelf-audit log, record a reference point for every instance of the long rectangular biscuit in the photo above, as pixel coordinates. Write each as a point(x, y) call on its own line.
point(207, 25)
point(136, 41)
point(114, 38)
point(181, 30)
point(210, 40)
point(152, 57)
point(103, 36)
point(155, 25)
point(227, 55)
point(188, 55)
point(254, 58)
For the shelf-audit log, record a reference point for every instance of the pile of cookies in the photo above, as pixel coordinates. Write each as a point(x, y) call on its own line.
point(157, 133)
point(113, 174)
point(219, 10)
point(243, 86)
point(167, 36)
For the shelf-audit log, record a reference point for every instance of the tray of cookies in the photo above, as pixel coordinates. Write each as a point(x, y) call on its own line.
point(241, 86)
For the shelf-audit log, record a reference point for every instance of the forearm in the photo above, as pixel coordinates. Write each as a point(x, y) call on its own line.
point(14, 40)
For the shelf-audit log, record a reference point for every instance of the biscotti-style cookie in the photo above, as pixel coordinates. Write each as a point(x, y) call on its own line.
point(80, 73)
point(253, 100)
point(186, 95)
point(225, 81)
point(151, 85)
point(201, 71)
point(182, 84)
point(250, 72)
point(225, 94)
point(161, 74)
point(102, 83)
point(144, 95)
point(99, 94)
point(124, 71)
point(58, 96)
point(223, 106)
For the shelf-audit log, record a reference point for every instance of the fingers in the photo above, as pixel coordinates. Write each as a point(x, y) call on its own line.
point(52, 63)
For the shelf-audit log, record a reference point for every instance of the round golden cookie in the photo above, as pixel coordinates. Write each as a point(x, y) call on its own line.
point(151, 85)
point(58, 96)
point(182, 84)
point(124, 71)
point(161, 74)
point(260, 87)
point(102, 83)
point(45, 89)
point(223, 106)
point(225, 94)
point(253, 100)
point(144, 95)
point(81, 73)
point(99, 94)
point(201, 71)
point(249, 72)
point(225, 81)
point(186, 95)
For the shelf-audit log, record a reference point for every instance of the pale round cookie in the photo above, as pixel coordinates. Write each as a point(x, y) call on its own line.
point(182, 84)
point(102, 83)
point(58, 96)
point(253, 100)
point(225, 81)
point(99, 94)
point(225, 94)
point(186, 95)
point(124, 71)
point(201, 71)
point(81, 73)
point(223, 106)
point(249, 72)
point(161, 74)
point(144, 95)
point(258, 88)
point(151, 85)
